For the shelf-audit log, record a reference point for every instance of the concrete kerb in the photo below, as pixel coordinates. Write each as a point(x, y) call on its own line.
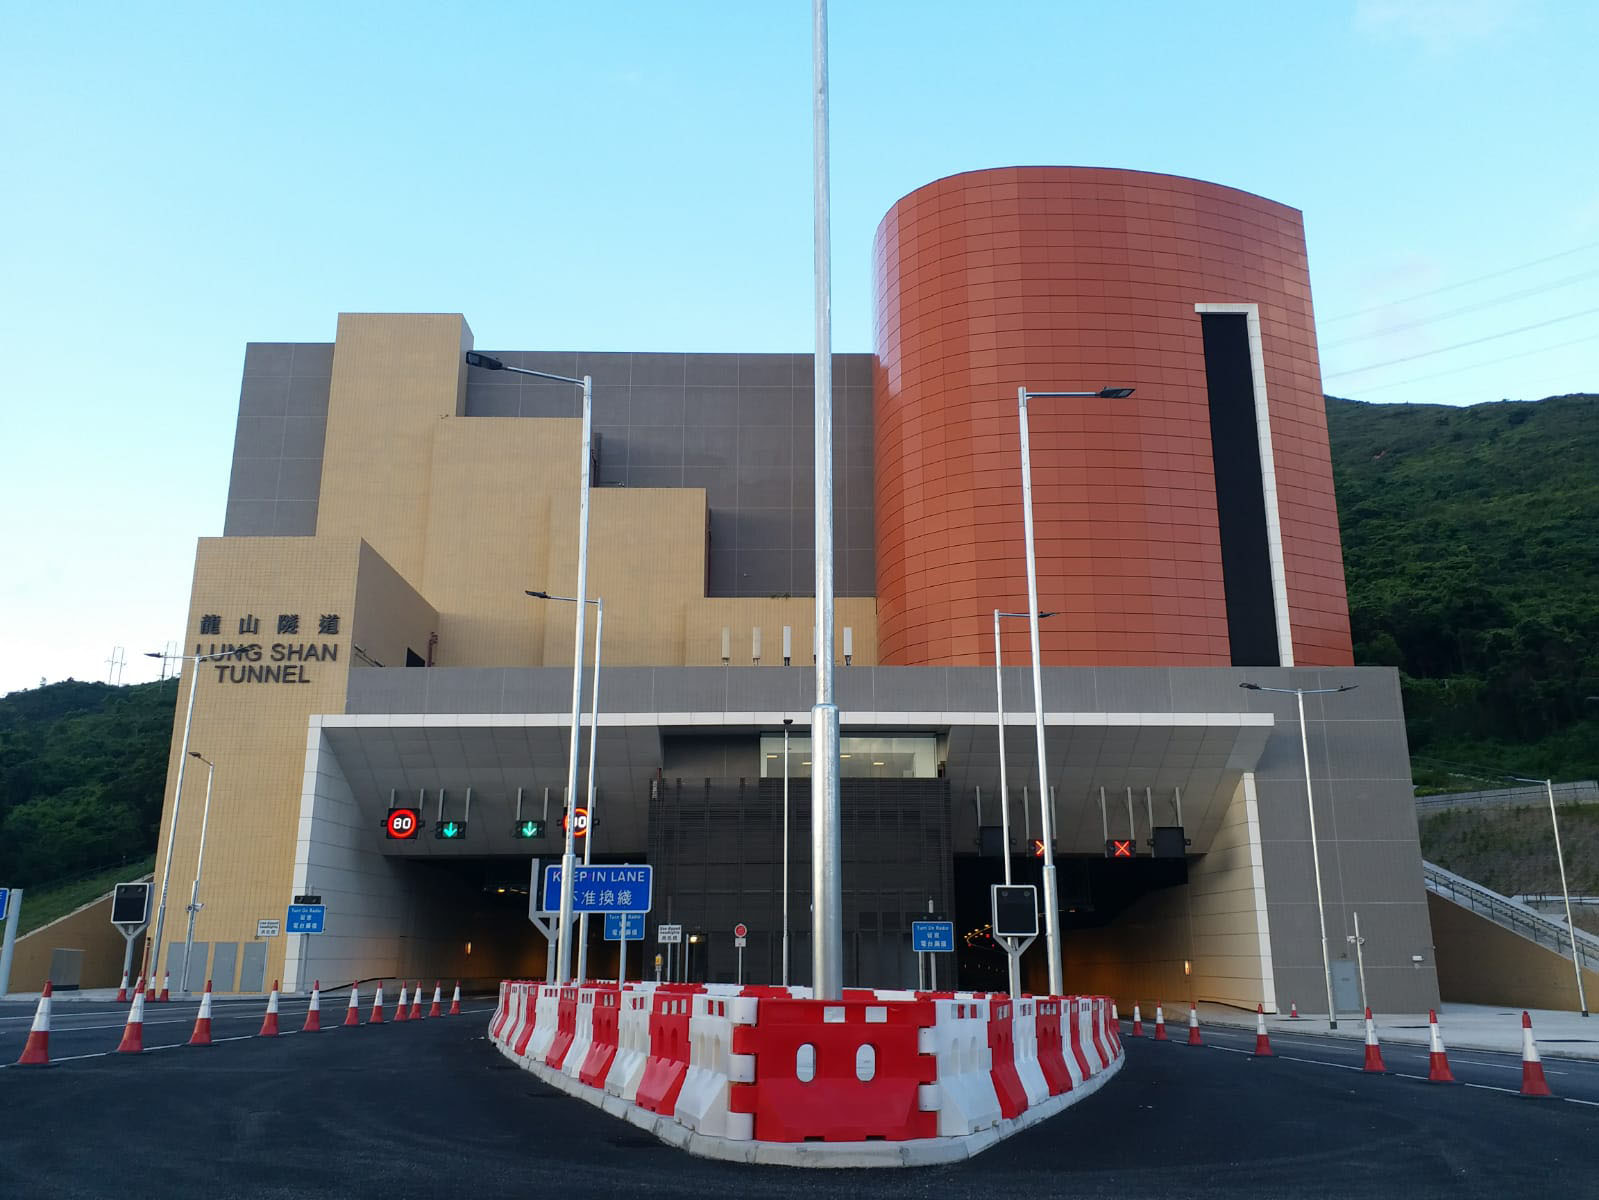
point(1486, 1028)
point(922, 1152)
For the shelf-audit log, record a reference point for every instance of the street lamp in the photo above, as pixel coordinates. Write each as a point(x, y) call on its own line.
point(1004, 786)
point(1310, 807)
point(563, 956)
point(177, 800)
point(199, 863)
point(594, 733)
point(788, 723)
point(1046, 826)
point(1560, 858)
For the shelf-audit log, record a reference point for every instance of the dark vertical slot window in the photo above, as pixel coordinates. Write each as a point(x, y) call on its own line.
point(1240, 493)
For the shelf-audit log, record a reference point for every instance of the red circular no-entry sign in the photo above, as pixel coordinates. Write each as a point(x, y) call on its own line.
point(741, 930)
point(403, 823)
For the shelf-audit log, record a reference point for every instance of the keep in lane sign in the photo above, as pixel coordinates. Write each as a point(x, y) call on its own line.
point(5, 899)
point(624, 925)
point(933, 937)
point(601, 889)
point(305, 918)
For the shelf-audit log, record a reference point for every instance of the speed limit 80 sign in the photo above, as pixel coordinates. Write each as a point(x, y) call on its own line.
point(402, 823)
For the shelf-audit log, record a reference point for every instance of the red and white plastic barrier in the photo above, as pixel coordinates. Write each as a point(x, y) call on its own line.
point(765, 1065)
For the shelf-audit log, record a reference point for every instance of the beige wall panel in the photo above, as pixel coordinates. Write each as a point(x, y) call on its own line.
point(1213, 922)
point(88, 929)
point(1481, 963)
point(394, 377)
point(255, 731)
point(390, 617)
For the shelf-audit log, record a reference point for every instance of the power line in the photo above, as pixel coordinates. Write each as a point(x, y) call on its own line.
point(1449, 287)
point(1467, 308)
point(1381, 387)
point(1492, 337)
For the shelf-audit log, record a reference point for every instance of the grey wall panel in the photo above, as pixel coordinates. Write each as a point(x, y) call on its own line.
point(737, 425)
point(277, 447)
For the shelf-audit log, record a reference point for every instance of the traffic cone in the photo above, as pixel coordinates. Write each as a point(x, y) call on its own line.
point(1532, 1080)
point(1160, 1022)
point(416, 1002)
point(150, 994)
point(202, 1023)
point(438, 997)
point(377, 1006)
point(352, 1014)
point(166, 988)
point(1374, 1062)
point(122, 992)
point(1262, 1042)
point(313, 1015)
point(37, 1052)
point(133, 1032)
point(399, 1009)
point(455, 1001)
point(269, 1023)
point(1293, 1011)
point(1193, 1025)
point(1437, 1062)
point(1138, 1022)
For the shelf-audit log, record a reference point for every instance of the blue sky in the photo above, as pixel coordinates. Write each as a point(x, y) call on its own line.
point(181, 179)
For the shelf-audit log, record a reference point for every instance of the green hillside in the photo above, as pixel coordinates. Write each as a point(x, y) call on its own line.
point(82, 772)
point(1471, 547)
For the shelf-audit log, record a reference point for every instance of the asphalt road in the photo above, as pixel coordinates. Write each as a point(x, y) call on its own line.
point(432, 1110)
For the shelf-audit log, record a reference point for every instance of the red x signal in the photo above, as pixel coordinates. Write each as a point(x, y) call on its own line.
point(1119, 848)
point(1038, 848)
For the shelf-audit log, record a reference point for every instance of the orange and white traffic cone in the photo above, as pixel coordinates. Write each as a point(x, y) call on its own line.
point(1374, 1062)
point(269, 1023)
point(1262, 1041)
point(1193, 1025)
point(313, 1015)
point(399, 1009)
point(416, 1002)
point(377, 1006)
point(1138, 1022)
point(438, 998)
point(1293, 1011)
point(1160, 1022)
point(1532, 1081)
point(122, 992)
point(149, 997)
point(166, 988)
point(133, 1032)
point(352, 1014)
point(37, 1052)
point(455, 1001)
point(202, 1023)
point(1437, 1061)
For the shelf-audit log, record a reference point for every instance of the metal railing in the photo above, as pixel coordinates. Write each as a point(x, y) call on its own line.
point(1584, 791)
point(1510, 914)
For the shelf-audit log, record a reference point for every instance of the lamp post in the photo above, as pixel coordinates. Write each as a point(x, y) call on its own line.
point(199, 864)
point(1310, 807)
point(1046, 825)
point(827, 880)
point(177, 800)
point(788, 723)
point(1004, 786)
point(594, 733)
point(563, 942)
point(1560, 858)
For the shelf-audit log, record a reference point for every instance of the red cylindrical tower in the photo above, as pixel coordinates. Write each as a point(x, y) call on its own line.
point(1070, 279)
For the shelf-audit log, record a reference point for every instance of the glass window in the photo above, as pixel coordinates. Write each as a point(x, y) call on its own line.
point(873, 756)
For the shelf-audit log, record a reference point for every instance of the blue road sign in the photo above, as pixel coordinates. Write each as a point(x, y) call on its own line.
point(5, 900)
point(624, 926)
point(601, 889)
point(305, 918)
point(933, 937)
